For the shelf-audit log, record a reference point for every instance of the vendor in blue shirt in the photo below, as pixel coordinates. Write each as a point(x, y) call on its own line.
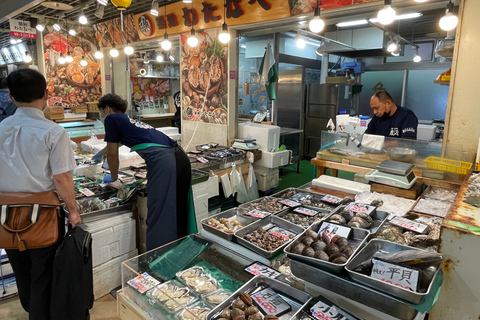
point(169, 198)
point(391, 120)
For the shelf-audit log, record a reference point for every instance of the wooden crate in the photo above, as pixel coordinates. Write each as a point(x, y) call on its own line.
point(54, 113)
point(92, 106)
point(79, 109)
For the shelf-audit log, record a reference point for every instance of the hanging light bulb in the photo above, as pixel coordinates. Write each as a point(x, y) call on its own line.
point(103, 2)
point(27, 57)
point(192, 40)
point(69, 58)
point(387, 14)
point(154, 9)
point(417, 58)
point(160, 57)
point(40, 27)
point(224, 36)
point(82, 19)
point(114, 52)
point(449, 21)
point(56, 27)
point(166, 44)
point(98, 54)
point(61, 59)
point(83, 62)
point(392, 46)
point(128, 49)
point(316, 24)
point(13, 41)
point(72, 32)
point(299, 41)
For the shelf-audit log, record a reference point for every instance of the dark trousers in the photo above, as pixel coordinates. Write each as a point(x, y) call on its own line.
point(33, 270)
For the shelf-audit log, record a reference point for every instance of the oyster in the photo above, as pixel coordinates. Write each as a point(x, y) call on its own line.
point(197, 280)
point(218, 298)
point(204, 80)
point(207, 287)
point(194, 76)
point(194, 313)
point(215, 73)
point(192, 272)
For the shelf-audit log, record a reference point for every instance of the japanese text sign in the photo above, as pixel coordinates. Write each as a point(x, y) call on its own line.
point(331, 199)
point(360, 207)
point(326, 310)
point(259, 269)
point(305, 211)
point(22, 29)
point(143, 282)
point(410, 225)
point(281, 233)
point(290, 203)
point(403, 277)
point(271, 302)
point(257, 213)
point(332, 229)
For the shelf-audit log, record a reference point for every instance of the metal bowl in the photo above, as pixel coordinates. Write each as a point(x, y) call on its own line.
point(402, 154)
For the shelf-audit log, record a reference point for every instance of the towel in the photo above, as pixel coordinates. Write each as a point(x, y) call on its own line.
point(373, 141)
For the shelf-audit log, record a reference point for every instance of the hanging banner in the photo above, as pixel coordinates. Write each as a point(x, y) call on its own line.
point(204, 78)
point(307, 6)
point(22, 29)
point(13, 54)
point(110, 31)
point(180, 17)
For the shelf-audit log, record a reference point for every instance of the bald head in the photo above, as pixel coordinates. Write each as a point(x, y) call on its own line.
point(382, 104)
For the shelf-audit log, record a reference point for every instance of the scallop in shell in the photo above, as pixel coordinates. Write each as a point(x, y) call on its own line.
point(207, 287)
point(218, 297)
point(193, 272)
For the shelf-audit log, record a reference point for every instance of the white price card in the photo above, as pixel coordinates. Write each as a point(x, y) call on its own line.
point(143, 282)
point(332, 199)
point(258, 214)
point(332, 229)
point(87, 192)
point(270, 302)
point(360, 207)
point(305, 211)
point(410, 225)
point(326, 310)
point(259, 269)
point(403, 277)
point(290, 203)
point(281, 233)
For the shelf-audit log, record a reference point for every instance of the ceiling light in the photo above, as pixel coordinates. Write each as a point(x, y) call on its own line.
point(83, 62)
point(69, 58)
point(72, 32)
point(187, 1)
point(352, 23)
point(449, 21)
point(395, 54)
point(100, 11)
point(166, 44)
point(27, 57)
point(420, 1)
point(19, 41)
point(192, 40)
point(160, 57)
point(316, 24)
point(13, 41)
point(82, 19)
point(387, 14)
point(98, 54)
point(128, 49)
point(114, 52)
point(40, 27)
point(103, 2)
point(224, 36)
point(417, 58)
point(56, 27)
point(61, 59)
point(391, 46)
point(154, 9)
point(299, 41)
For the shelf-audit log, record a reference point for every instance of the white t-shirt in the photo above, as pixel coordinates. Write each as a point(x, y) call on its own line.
point(32, 150)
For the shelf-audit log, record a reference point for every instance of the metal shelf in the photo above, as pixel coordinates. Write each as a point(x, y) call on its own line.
point(155, 77)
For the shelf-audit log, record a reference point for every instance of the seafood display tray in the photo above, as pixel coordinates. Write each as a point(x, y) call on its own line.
point(355, 291)
point(261, 223)
point(307, 192)
point(386, 246)
point(358, 236)
point(320, 211)
point(235, 213)
point(296, 298)
point(379, 219)
point(245, 205)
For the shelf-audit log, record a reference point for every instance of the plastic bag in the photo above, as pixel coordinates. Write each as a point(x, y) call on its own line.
point(242, 195)
point(251, 185)
point(227, 187)
point(234, 179)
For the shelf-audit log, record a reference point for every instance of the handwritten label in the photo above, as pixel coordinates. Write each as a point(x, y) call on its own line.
point(290, 203)
point(332, 229)
point(360, 207)
point(143, 282)
point(202, 160)
point(326, 310)
point(410, 225)
point(113, 200)
point(281, 233)
point(332, 199)
point(305, 211)
point(257, 213)
point(270, 302)
point(87, 192)
point(403, 277)
point(141, 175)
point(259, 269)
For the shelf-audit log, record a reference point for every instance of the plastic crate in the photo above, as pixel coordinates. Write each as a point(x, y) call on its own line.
point(449, 165)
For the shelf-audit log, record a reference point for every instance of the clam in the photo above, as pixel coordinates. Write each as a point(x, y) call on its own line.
point(312, 234)
point(321, 255)
point(318, 245)
point(308, 252)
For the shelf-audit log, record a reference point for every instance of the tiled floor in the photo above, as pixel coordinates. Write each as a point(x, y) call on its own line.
point(104, 308)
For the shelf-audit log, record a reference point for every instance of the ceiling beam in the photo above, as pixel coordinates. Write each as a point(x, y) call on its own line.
point(9, 8)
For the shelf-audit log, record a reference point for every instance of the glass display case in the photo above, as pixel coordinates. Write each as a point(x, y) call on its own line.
point(83, 128)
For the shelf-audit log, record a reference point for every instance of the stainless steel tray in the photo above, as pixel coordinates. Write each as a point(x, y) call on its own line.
point(263, 222)
point(249, 204)
point(354, 291)
point(294, 297)
point(379, 219)
point(231, 214)
point(316, 196)
point(356, 240)
point(375, 245)
point(321, 215)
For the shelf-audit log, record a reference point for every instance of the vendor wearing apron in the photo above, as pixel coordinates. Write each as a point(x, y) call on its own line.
point(169, 197)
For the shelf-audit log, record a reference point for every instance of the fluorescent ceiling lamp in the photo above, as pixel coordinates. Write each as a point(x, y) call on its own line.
point(56, 27)
point(72, 32)
point(411, 15)
point(352, 23)
point(103, 2)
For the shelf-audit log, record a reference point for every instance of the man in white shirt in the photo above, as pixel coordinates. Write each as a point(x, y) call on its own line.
point(35, 156)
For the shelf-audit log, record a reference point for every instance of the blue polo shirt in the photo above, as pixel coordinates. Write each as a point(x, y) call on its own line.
point(402, 124)
point(120, 128)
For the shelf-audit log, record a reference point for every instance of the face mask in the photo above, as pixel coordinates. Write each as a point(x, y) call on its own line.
point(385, 115)
point(102, 118)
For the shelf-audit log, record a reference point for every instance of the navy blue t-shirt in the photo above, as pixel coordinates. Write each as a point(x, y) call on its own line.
point(120, 128)
point(402, 124)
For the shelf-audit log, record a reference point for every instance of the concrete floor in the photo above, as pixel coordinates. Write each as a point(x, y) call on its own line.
point(104, 308)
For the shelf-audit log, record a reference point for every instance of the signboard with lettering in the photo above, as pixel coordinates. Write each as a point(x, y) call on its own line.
point(403, 277)
point(271, 302)
point(22, 29)
point(259, 269)
point(332, 229)
point(410, 225)
point(13, 54)
point(324, 309)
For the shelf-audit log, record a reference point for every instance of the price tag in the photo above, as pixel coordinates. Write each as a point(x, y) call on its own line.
point(138, 166)
point(281, 233)
point(141, 175)
point(143, 282)
point(332, 199)
point(305, 211)
point(113, 200)
point(332, 229)
point(403, 277)
point(327, 310)
point(360, 207)
point(86, 192)
point(290, 203)
point(202, 160)
point(410, 225)
point(270, 302)
point(257, 213)
point(259, 269)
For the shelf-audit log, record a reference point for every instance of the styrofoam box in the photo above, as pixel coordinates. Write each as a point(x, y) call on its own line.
point(274, 159)
point(93, 145)
point(334, 183)
point(8, 287)
point(267, 181)
point(268, 137)
point(108, 276)
point(111, 237)
point(168, 130)
point(426, 132)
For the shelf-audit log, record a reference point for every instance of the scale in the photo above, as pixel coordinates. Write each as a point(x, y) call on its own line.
point(245, 144)
point(393, 173)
